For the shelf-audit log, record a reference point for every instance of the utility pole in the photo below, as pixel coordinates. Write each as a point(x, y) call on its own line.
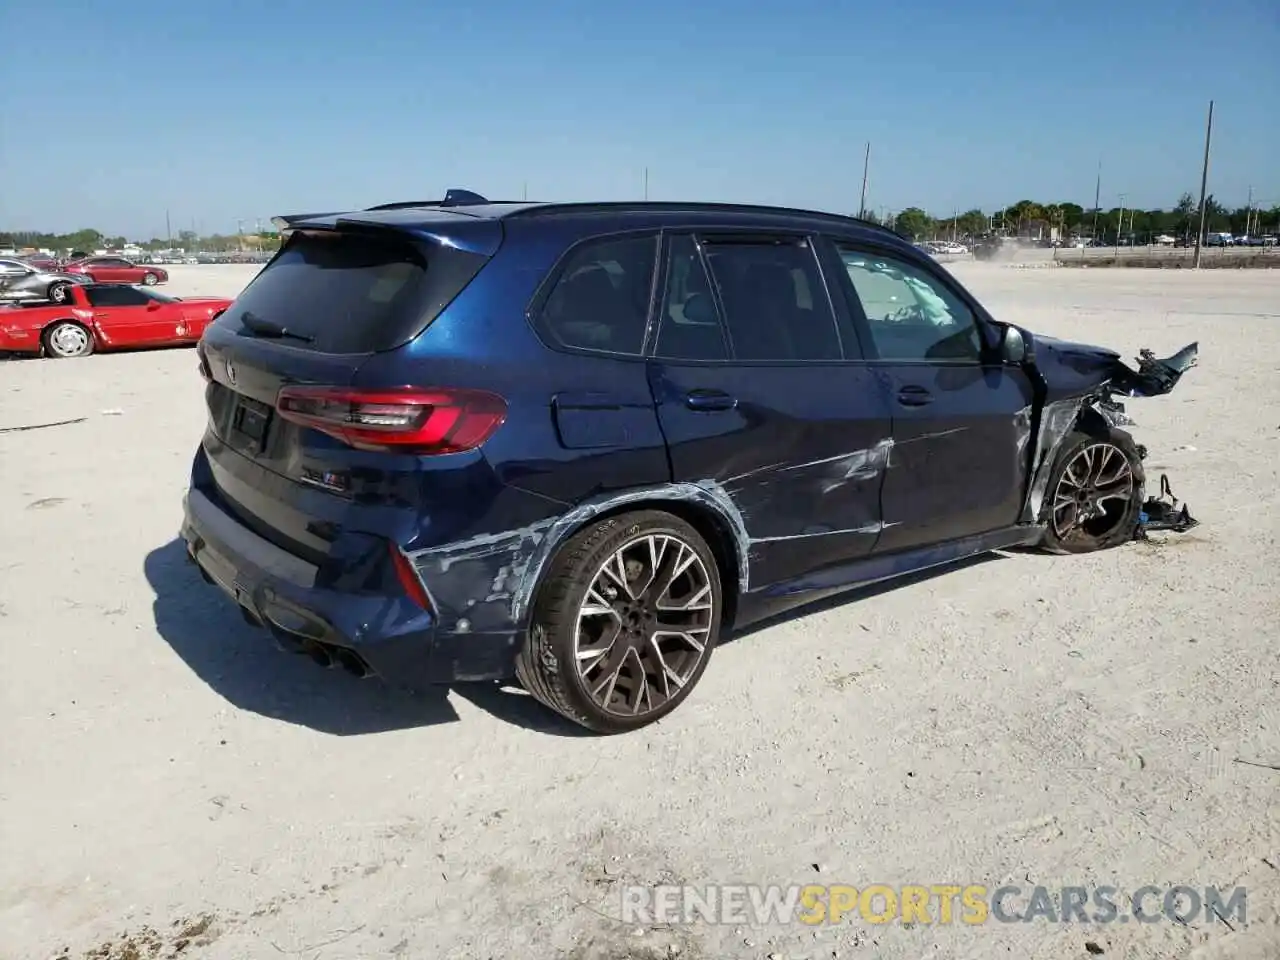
point(524, 191)
point(646, 183)
point(1248, 214)
point(1097, 198)
point(1204, 183)
point(1120, 223)
point(168, 230)
point(866, 167)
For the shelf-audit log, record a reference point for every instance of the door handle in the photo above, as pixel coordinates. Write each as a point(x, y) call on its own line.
point(709, 400)
point(914, 397)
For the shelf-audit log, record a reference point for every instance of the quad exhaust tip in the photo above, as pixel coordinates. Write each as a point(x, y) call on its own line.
point(330, 656)
point(323, 654)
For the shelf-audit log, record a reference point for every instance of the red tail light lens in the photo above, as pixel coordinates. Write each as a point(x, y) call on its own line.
point(408, 578)
point(409, 419)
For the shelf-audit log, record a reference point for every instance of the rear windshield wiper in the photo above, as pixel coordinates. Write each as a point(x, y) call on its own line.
point(266, 328)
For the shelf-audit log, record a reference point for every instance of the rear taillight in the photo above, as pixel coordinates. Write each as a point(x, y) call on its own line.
point(409, 419)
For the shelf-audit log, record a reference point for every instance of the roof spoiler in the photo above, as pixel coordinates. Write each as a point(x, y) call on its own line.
point(452, 198)
point(290, 220)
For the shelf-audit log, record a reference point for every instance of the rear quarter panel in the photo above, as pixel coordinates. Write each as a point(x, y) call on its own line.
point(484, 341)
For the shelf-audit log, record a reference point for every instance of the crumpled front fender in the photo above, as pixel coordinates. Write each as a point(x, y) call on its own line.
point(1154, 376)
point(1077, 379)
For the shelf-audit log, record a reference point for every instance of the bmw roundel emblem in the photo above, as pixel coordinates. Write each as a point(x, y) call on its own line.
point(231, 373)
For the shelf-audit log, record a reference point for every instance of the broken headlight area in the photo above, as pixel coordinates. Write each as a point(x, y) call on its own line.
point(1111, 410)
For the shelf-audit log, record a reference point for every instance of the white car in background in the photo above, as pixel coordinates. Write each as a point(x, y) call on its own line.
point(1164, 240)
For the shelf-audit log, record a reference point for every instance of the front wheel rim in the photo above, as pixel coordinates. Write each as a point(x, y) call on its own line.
point(59, 294)
point(644, 627)
point(69, 340)
point(1093, 493)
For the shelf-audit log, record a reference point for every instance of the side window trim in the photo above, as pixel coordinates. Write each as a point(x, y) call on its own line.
point(761, 237)
point(854, 335)
point(546, 287)
point(717, 297)
point(659, 303)
point(864, 324)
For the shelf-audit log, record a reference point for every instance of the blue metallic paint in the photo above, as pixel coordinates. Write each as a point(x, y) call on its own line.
point(813, 480)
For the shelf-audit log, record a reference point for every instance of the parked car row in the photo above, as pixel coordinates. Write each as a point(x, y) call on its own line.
point(41, 278)
point(1227, 240)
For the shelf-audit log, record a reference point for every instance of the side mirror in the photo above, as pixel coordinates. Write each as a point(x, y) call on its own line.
point(153, 305)
point(1013, 346)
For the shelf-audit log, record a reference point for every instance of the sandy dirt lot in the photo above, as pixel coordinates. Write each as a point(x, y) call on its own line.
point(168, 779)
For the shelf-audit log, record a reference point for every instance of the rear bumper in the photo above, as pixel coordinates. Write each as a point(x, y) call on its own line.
point(368, 634)
point(17, 339)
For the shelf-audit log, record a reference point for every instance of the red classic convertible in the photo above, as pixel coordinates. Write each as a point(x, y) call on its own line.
point(105, 316)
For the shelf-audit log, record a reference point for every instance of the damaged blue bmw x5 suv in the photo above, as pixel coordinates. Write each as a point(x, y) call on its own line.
point(576, 444)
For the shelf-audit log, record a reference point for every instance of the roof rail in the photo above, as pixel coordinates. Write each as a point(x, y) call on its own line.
point(697, 206)
point(452, 198)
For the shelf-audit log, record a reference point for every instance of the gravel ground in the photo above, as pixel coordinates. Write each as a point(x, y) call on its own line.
point(170, 781)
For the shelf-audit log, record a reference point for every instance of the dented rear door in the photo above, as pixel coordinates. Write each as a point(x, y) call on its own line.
point(778, 419)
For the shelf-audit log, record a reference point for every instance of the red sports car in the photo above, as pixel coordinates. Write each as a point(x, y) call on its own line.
point(117, 270)
point(104, 317)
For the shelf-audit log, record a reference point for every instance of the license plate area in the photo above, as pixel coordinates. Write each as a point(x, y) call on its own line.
point(250, 421)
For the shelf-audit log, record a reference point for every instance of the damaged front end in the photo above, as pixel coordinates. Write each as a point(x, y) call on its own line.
point(1082, 383)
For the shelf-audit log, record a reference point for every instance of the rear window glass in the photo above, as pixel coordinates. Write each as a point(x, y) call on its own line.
point(350, 293)
point(600, 300)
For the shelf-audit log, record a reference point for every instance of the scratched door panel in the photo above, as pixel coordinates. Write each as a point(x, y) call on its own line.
point(958, 461)
point(801, 456)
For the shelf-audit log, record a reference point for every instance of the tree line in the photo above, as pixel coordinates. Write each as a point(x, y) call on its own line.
point(1071, 219)
point(1023, 217)
point(89, 240)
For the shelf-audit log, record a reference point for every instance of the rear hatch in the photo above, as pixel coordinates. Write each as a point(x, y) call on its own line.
point(297, 451)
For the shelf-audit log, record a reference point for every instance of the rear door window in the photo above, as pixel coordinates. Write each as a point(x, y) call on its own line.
point(600, 299)
point(351, 293)
point(774, 300)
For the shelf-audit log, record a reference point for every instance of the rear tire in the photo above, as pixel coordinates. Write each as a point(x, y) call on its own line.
point(624, 622)
point(59, 292)
point(66, 339)
point(1094, 494)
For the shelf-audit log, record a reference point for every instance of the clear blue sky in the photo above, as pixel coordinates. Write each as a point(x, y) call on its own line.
point(111, 112)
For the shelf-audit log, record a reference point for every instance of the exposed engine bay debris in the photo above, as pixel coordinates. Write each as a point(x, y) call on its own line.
point(1163, 513)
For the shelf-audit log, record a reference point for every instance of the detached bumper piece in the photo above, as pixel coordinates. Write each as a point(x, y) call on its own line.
point(1163, 513)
